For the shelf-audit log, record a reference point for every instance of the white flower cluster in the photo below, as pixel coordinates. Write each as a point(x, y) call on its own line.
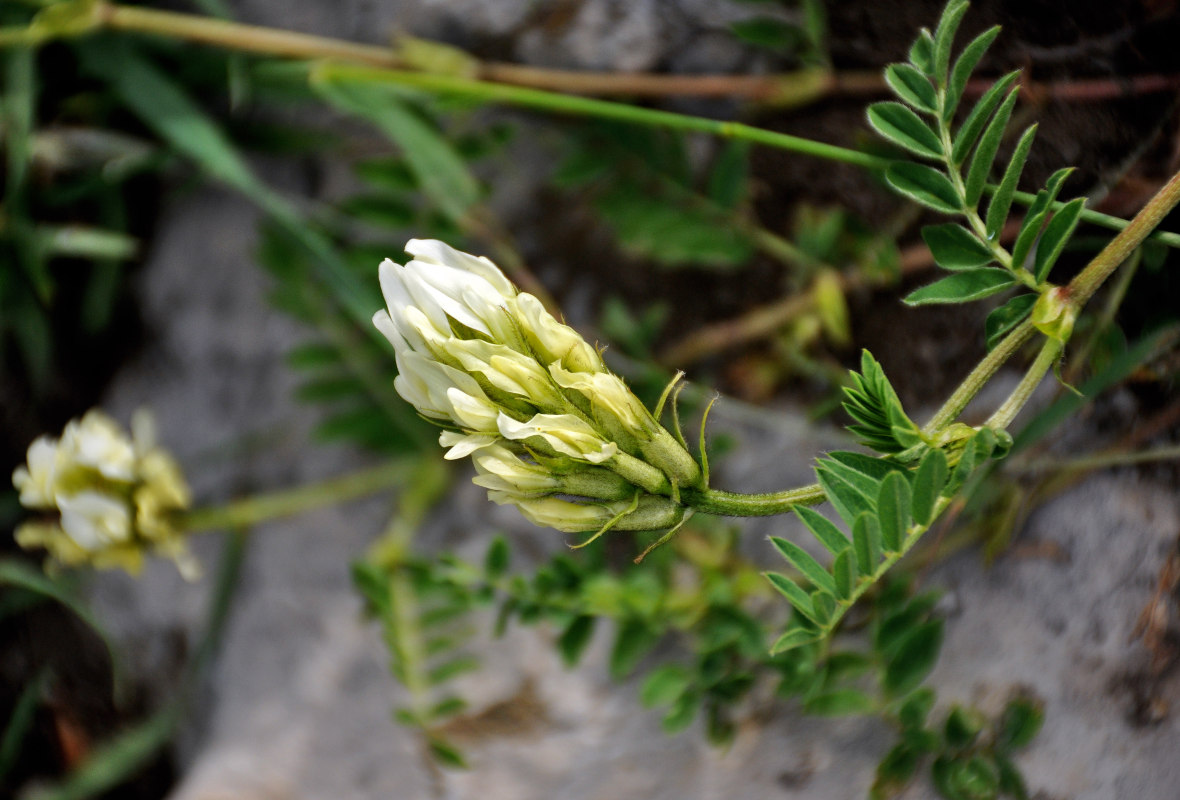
point(549, 428)
point(114, 496)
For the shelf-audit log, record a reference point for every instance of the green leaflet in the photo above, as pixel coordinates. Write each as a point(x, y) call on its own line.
point(963, 68)
point(956, 248)
point(1001, 202)
point(962, 287)
point(903, 127)
point(911, 85)
point(924, 185)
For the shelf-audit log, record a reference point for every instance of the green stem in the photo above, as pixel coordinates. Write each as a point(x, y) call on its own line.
point(287, 502)
point(978, 377)
point(1007, 412)
point(1083, 286)
point(588, 106)
point(733, 504)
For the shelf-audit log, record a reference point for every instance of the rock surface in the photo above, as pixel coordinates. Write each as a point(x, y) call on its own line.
point(300, 700)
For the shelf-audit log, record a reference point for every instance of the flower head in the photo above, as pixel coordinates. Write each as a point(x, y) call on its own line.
point(115, 495)
point(550, 429)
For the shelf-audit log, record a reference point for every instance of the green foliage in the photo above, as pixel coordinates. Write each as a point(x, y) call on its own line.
point(642, 185)
point(930, 91)
point(970, 755)
point(887, 506)
point(880, 422)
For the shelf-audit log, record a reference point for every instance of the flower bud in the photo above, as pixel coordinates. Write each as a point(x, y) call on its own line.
point(115, 496)
point(1054, 315)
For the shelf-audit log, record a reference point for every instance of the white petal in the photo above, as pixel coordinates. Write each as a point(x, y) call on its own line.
point(436, 252)
point(463, 444)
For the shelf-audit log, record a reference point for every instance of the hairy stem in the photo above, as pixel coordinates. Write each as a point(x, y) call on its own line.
point(1083, 286)
point(1002, 418)
point(733, 504)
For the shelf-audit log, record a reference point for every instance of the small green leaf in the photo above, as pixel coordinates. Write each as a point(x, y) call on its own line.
point(875, 468)
point(866, 540)
point(969, 131)
point(574, 639)
point(904, 128)
point(985, 152)
point(633, 641)
point(446, 754)
point(928, 482)
point(913, 712)
point(1020, 723)
point(962, 287)
point(795, 596)
point(894, 772)
point(974, 778)
point(1011, 781)
point(865, 484)
point(912, 86)
point(845, 498)
point(913, 658)
point(1055, 237)
point(824, 605)
point(844, 571)
point(1035, 217)
point(962, 727)
point(924, 185)
point(893, 512)
point(840, 703)
point(664, 686)
point(495, 563)
point(956, 248)
point(922, 53)
point(793, 638)
point(964, 66)
point(803, 561)
point(681, 714)
point(824, 530)
point(944, 36)
point(1007, 317)
point(1001, 202)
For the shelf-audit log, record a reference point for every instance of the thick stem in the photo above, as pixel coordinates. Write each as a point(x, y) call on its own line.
point(1121, 246)
point(732, 504)
point(287, 502)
